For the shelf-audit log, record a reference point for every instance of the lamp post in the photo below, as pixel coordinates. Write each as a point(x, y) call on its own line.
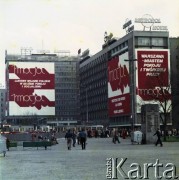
point(132, 90)
point(86, 105)
point(86, 98)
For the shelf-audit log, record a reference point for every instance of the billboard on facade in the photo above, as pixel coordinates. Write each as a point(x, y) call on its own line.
point(31, 88)
point(118, 86)
point(152, 78)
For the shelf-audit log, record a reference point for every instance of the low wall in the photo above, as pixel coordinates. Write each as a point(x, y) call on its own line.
point(28, 136)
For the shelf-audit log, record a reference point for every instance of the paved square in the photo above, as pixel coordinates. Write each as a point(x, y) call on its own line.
point(58, 163)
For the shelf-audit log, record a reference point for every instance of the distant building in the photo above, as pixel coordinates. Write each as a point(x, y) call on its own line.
point(42, 89)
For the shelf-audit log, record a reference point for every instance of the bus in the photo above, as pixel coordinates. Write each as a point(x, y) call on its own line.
point(6, 129)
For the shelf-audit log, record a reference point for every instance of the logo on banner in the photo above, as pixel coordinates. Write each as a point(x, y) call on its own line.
point(31, 86)
point(118, 76)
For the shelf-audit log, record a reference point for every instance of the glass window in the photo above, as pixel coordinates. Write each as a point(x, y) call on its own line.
point(144, 41)
point(157, 41)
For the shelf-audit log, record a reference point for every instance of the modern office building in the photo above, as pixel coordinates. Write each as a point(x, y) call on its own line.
point(42, 89)
point(93, 89)
point(67, 107)
point(174, 56)
point(121, 77)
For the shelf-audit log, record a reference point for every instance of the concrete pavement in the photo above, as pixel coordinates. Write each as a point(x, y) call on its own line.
point(58, 163)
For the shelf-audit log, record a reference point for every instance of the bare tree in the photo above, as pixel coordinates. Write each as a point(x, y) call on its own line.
point(162, 96)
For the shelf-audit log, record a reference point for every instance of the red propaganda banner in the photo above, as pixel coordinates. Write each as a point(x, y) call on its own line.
point(31, 88)
point(118, 86)
point(153, 73)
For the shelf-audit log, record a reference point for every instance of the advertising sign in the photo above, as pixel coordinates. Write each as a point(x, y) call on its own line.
point(118, 86)
point(152, 77)
point(31, 88)
point(148, 22)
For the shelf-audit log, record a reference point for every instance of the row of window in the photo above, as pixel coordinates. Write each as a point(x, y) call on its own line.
point(96, 94)
point(66, 91)
point(66, 67)
point(151, 41)
point(72, 74)
point(65, 103)
point(94, 107)
point(95, 63)
point(69, 113)
point(69, 96)
point(95, 115)
point(65, 63)
point(66, 79)
point(119, 47)
point(66, 85)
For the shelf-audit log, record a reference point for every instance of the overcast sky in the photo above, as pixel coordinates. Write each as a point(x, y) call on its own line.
point(74, 24)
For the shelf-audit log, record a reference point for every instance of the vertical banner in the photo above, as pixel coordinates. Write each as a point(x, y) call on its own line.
point(118, 86)
point(152, 74)
point(31, 88)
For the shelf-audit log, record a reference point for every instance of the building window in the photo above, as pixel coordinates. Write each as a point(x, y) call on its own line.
point(143, 41)
point(157, 42)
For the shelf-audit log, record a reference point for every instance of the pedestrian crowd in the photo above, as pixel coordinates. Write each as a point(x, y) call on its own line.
point(79, 137)
point(72, 136)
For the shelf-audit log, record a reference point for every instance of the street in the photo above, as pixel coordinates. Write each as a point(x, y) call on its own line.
point(58, 163)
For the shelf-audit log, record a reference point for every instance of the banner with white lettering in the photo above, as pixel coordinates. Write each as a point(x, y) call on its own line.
point(31, 88)
point(152, 77)
point(118, 86)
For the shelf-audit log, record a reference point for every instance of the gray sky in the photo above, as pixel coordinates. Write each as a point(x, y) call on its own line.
point(73, 24)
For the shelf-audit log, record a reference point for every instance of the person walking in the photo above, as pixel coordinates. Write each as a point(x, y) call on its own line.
point(158, 133)
point(115, 136)
point(78, 137)
point(68, 137)
point(74, 137)
point(83, 138)
point(7, 144)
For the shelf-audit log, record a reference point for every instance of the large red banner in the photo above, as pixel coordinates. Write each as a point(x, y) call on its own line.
point(118, 86)
point(152, 73)
point(31, 88)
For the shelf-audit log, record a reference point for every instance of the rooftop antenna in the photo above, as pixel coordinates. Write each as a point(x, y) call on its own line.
point(43, 51)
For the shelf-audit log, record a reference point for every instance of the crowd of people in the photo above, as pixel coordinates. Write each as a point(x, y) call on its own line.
point(79, 137)
point(39, 137)
point(75, 136)
point(72, 137)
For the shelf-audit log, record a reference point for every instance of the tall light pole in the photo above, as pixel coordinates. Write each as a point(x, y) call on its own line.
point(86, 98)
point(86, 104)
point(132, 90)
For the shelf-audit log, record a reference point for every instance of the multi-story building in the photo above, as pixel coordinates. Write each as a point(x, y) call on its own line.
point(121, 77)
point(174, 56)
point(67, 109)
point(93, 89)
point(42, 89)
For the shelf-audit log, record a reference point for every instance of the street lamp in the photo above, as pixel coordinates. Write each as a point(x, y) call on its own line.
point(86, 105)
point(132, 89)
point(86, 97)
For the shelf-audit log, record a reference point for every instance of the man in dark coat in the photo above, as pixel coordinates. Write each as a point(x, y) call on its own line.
point(68, 137)
point(83, 137)
point(158, 133)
